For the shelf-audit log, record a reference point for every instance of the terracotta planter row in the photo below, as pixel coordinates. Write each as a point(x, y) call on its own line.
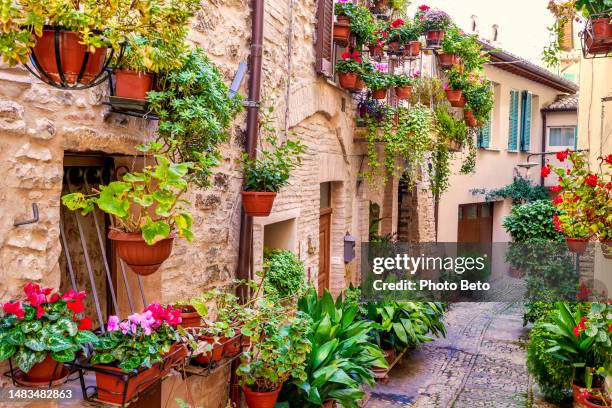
point(412, 49)
point(224, 348)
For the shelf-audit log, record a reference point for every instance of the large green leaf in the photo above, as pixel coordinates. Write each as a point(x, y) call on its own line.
point(6, 350)
point(113, 198)
point(16, 337)
point(57, 343)
point(35, 344)
point(400, 332)
point(324, 352)
point(33, 326)
point(25, 360)
point(66, 325)
point(85, 336)
point(64, 356)
point(153, 231)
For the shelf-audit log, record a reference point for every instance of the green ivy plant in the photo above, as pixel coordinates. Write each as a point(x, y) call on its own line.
point(44, 325)
point(378, 80)
point(362, 24)
point(521, 191)
point(401, 80)
point(195, 112)
point(478, 93)
point(532, 221)
point(149, 201)
point(283, 274)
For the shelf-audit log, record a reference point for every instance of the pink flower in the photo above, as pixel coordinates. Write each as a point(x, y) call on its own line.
point(416, 74)
point(125, 327)
point(424, 7)
point(14, 308)
point(113, 323)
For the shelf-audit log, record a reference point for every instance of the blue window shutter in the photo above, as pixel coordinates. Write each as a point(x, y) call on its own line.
point(526, 121)
point(576, 138)
point(484, 135)
point(514, 125)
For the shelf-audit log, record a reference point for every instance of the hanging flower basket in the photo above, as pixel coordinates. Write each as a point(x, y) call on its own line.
point(132, 84)
point(454, 95)
point(379, 94)
point(142, 258)
point(448, 60)
point(342, 29)
point(60, 60)
point(359, 85)
point(577, 245)
point(460, 103)
point(434, 37)
point(470, 120)
point(258, 204)
point(260, 399)
point(347, 80)
point(403, 92)
point(597, 35)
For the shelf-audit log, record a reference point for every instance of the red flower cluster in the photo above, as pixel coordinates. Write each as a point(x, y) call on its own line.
point(561, 156)
point(355, 55)
point(424, 7)
point(14, 308)
point(74, 300)
point(37, 296)
point(608, 159)
point(555, 189)
point(581, 326)
point(557, 223)
point(557, 200)
point(160, 314)
point(85, 323)
point(545, 171)
point(591, 180)
point(397, 23)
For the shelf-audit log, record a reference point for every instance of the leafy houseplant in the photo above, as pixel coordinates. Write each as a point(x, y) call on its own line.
point(140, 346)
point(195, 112)
point(450, 45)
point(273, 359)
point(434, 23)
point(348, 69)
point(44, 331)
point(362, 24)
point(147, 210)
point(457, 81)
point(284, 274)
point(378, 82)
point(403, 86)
point(452, 130)
point(478, 94)
point(343, 10)
point(532, 221)
point(266, 175)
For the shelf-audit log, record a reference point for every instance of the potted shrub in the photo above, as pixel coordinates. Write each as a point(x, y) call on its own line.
point(453, 130)
point(377, 40)
point(598, 32)
point(44, 331)
point(137, 347)
point(266, 175)
point(396, 36)
point(343, 10)
point(378, 82)
point(212, 338)
point(147, 210)
point(348, 69)
point(478, 94)
point(273, 359)
point(434, 23)
point(410, 33)
point(403, 86)
point(457, 81)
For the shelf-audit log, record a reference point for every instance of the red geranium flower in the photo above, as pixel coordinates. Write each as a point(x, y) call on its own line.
point(77, 306)
point(356, 54)
point(424, 7)
point(591, 180)
point(85, 323)
point(610, 327)
point(346, 55)
point(555, 189)
point(14, 308)
point(384, 34)
point(397, 23)
point(608, 159)
point(557, 200)
point(545, 171)
point(561, 156)
point(54, 298)
point(576, 331)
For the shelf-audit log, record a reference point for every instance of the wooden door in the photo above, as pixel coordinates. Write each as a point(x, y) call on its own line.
point(324, 249)
point(475, 223)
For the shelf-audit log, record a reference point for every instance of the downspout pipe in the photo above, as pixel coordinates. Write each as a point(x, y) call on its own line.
point(543, 146)
point(245, 248)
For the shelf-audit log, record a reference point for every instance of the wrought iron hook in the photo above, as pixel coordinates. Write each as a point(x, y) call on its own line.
point(32, 220)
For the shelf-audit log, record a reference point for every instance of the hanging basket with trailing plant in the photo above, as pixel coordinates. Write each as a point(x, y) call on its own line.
point(266, 174)
point(434, 23)
point(342, 25)
point(147, 210)
point(402, 86)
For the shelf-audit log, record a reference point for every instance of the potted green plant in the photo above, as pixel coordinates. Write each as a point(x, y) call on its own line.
point(434, 23)
point(449, 55)
point(411, 32)
point(139, 347)
point(598, 30)
point(395, 37)
point(452, 130)
point(212, 339)
point(362, 24)
point(478, 93)
point(265, 175)
point(378, 82)
point(348, 69)
point(402, 86)
point(343, 10)
point(274, 358)
point(457, 81)
point(44, 332)
point(377, 40)
point(147, 209)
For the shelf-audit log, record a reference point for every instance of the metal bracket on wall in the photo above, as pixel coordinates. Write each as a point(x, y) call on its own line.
point(32, 220)
point(247, 103)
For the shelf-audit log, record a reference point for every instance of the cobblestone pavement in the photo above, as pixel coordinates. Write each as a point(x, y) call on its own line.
point(480, 363)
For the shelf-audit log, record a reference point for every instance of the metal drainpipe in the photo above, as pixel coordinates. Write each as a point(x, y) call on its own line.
point(543, 145)
point(245, 249)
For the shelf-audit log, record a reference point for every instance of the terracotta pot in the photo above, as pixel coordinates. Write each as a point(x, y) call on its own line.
point(342, 30)
point(233, 346)
point(111, 387)
point(454, 95)
point(413, 49)
point(45, 371)
point(393, 47)
point(347, 80)
point(389, 355)
point(448, 60)
point(258, 204)
point(594, 401)
point(460, 103)
point(72, 55)
point(177, 353)
point(470, 120)
point(359, 85)
point(142, 258)
point(606, 249)
point(213, 356)
point(132, 84)
point(435, 37)
point(577, 393)
point(379, 94)
point(190, 318)
point(577, 245)
point(260, 399)
point(375, 50)
point(403, 92)
point(602, 29)
point(328, 404)
point(454, 146)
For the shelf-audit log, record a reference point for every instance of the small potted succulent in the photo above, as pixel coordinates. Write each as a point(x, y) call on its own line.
point(343, 10)
point(147, 209)
point(44, 331)
point(274, 358)
point(378, 82)
point(265, 175)
point(402, 86)
point(348, 69)
point(138, 346)
point(434, 23)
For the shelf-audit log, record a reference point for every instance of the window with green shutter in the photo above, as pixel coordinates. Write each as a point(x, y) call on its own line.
point(526, 103)
point(514, 120)
point(484, 135)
